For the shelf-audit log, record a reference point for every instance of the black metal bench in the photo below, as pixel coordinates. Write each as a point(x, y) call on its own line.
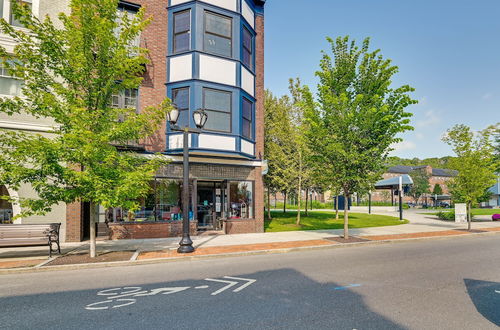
point(31, 234)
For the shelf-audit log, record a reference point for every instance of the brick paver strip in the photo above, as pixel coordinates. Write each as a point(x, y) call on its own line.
point(491, 229)
point(416, 235)
point(233, 249)
point(19, 263)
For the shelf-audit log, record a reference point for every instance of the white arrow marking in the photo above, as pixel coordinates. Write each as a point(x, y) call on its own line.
point(231, 284)
point(154, 292)
point(202, 287)
point(497, 291)
point(133, 294)
point(250, 282)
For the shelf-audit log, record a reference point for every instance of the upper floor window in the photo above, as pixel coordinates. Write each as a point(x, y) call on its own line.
point(247, 118)
point(182, 31)
point(13, 20)
point(217, 104)
point(130, 12)
point(125, 99)
point(180, 97)
point(9, 84)
point(218, 34)
point(247, 48)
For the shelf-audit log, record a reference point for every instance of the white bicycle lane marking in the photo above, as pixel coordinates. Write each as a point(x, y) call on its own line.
point(125, 296)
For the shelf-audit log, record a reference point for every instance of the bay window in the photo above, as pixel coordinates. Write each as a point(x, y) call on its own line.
point(217, 104)
point(247, 48)
point(218, 34)
point(247, 118)
point(180, 97)
point(182, 31)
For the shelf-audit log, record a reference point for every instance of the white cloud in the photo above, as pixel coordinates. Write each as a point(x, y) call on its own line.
point(419, 136)
point(431, 118)
point(403, 146)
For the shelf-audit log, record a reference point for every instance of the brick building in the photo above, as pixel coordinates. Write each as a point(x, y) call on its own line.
point(436, 176)
point(203, 54)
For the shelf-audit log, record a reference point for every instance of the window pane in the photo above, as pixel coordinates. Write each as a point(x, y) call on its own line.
point(218, 24)
point(217, 45)
point(182, 22)
point(10, 86)
point(115, 101)
point(247, 109)
point(13, 20)
point(217, 100)
point(247, 129)
point(181, 98)
point(247, 58)
point(130, 98)
point(181, 42)
point(247, 39)
point(241, 200)
point(218, 121)
point(183, 118)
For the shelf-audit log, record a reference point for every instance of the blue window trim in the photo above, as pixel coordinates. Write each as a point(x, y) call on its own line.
point(244, 25)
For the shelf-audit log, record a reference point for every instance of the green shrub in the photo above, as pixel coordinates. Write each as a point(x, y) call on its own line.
point(446, 215)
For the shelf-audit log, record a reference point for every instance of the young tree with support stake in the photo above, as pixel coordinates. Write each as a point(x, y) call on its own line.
point(475, 164)
point(359, 116)
point(70, 75)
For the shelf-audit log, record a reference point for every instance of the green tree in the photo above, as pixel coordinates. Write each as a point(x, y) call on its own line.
point(70, 74)
point(475, 165)
point(437, 190)
point(359, 116)
point(421, 184)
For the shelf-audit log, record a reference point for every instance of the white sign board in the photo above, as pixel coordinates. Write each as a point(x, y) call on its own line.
point(460, 212)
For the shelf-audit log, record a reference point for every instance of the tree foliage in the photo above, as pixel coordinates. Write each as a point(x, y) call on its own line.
point(437, 190)
point(359, 115)
point(420, 185)
point(475, 164)
point(70, 73)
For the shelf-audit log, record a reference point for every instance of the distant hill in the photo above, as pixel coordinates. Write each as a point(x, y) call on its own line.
point(433, 162)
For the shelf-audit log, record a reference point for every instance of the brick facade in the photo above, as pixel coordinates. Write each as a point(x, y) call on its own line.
point(148, 230)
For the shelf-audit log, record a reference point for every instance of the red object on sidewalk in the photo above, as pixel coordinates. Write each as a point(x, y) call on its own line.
point(495, 217)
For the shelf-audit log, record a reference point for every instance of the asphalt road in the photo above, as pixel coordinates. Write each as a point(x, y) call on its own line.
point(430, 284)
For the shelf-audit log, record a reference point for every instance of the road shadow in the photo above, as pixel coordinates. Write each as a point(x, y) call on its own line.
point(485, 297)
point(279, 299)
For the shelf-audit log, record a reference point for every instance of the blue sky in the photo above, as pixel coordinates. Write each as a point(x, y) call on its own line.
point(449, 50)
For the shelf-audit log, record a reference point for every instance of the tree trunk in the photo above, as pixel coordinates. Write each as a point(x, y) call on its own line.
point(469, 216)
point(284, 203)
point(307, 199)
point(336, 207)
point(299, 197)
point(346, 216)
point(269, 204)
point(92, 231)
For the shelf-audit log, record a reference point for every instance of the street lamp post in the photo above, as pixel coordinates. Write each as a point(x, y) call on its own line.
point(200, 118)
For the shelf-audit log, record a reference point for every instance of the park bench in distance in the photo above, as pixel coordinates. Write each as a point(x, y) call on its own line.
point(31, 234)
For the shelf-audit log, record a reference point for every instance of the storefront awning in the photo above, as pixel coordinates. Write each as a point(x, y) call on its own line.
point(393, 183)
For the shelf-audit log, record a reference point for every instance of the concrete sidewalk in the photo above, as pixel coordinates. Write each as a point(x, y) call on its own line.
point(419, 226)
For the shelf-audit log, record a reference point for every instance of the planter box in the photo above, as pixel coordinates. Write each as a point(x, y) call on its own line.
point(140, 230)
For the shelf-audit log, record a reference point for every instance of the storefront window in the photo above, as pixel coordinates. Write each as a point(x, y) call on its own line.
point(163, 203)
point(5, 207)
point(241, 200)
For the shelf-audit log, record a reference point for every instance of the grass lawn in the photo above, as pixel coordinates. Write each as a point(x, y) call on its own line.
point(474, 211)
point(326, 220)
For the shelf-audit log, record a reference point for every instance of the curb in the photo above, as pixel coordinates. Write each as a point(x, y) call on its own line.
point(39, 268)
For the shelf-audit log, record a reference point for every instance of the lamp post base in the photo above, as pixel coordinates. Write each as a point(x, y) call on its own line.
point(186, 245)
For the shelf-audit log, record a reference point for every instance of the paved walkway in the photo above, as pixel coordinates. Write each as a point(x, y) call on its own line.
point(420, 225)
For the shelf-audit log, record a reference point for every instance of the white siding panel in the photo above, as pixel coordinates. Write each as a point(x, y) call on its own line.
point(176, 2)
point(248, 14)
point(207, 141)
point(217, 70)
point(228, 4)
point(177, 141)
point(247, 81)
point(181, 68)
point(247, 147)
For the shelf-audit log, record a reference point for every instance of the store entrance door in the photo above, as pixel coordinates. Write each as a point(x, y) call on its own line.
point(210, 205)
